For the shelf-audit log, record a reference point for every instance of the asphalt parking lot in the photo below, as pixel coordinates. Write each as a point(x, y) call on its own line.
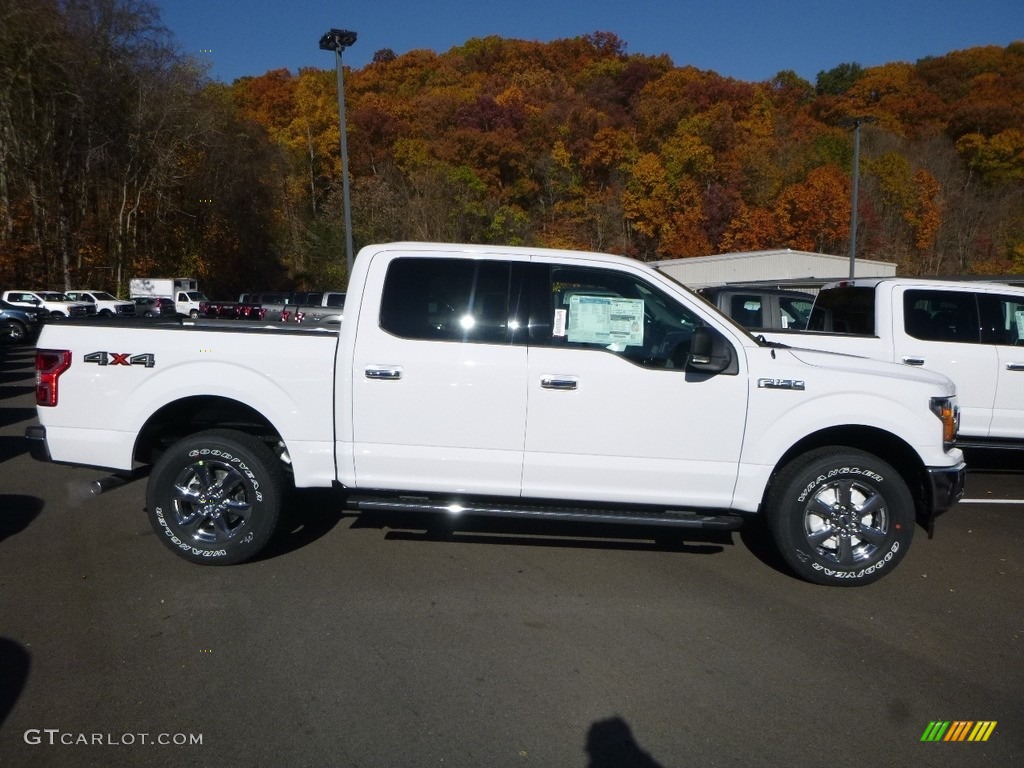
point(409, 641)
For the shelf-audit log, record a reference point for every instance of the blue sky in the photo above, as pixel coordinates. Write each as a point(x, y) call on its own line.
point(746, 39)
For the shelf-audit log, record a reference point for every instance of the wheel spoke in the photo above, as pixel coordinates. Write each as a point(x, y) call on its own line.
point(821, 508)
point(222, 529)
point(874, 536)
point(817, 538)
point(230, 480)
point(844, 493)
point(191, 522)
point(239, 507)
point(875, 502)
point(845, 553)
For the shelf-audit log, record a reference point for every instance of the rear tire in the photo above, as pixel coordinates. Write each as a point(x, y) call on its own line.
point(214, 498)
point(840, 517)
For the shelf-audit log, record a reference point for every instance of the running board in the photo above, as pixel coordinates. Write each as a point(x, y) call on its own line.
point(665, 518)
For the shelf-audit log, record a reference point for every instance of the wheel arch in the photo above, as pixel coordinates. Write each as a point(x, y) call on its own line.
point(891, 448)
point(190, 415)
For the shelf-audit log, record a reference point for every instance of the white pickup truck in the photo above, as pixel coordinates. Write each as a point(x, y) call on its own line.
point(486, 380)
point(973, 332)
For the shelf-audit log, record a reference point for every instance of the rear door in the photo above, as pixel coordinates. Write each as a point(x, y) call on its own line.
point(612, 414)
point(1003, 322)
point(439, 387)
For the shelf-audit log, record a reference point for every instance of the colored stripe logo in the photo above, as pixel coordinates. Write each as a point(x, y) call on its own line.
point(958, 730)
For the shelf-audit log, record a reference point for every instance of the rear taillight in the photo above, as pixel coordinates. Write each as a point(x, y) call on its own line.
point(50, 364)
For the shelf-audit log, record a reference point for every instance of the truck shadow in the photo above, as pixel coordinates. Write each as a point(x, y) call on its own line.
point(17, 513)
point(307, 514)
point(9, 416)
point(14, 665)
point(426, 526)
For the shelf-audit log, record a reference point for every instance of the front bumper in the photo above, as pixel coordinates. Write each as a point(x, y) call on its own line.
point(946, 487)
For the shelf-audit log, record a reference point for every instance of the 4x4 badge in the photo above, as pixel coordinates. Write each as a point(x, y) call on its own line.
point(119, 358)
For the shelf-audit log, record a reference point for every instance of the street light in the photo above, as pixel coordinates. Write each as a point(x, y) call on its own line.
point(338, 40)
point(856, 122)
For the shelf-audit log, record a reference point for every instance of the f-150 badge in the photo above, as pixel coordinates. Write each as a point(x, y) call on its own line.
point(117, 358)
point(780, 384)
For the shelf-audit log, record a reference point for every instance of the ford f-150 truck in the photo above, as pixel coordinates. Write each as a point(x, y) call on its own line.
point(485, 380)
point(973, 332)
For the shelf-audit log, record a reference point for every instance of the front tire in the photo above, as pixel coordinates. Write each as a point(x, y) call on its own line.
point(214, 498)
point(14, 332)
point(840, 517)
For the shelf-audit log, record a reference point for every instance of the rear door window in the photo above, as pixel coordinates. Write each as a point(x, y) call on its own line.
point(441, 299)
point(936, 315)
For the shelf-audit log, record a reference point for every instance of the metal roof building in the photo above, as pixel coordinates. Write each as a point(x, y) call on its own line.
point(780, 267)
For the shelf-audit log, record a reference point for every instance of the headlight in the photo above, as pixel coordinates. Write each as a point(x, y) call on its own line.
point(949, 414)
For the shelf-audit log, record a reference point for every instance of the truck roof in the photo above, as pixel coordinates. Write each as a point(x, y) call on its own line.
point(500, 250)
point(927, 282)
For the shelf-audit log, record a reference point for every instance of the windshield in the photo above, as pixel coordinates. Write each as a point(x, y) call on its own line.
point(53, 296)
point(103, 296)
point(196, 296)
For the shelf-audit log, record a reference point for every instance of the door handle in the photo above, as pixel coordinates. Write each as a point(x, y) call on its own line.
point(913, 360)
point(383, 373)
point(1015, 366)
point(559, 382)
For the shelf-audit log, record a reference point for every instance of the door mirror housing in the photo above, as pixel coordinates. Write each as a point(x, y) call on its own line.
point(711, 352)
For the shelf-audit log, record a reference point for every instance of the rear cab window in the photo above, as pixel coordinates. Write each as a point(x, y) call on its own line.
point(845, 309)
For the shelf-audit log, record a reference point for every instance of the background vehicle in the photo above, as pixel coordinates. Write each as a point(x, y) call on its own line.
point(20, 324)
point(231, 310)
point(106, 304)
point(183, 291)
point(973, 332)
point(154, 306)
point(54, 302)
point(517, 382)
point(300, 306)
point(761, 309)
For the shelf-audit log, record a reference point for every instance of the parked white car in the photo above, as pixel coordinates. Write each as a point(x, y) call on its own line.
point(55, 303)
point(106, 304)
point(971, 331)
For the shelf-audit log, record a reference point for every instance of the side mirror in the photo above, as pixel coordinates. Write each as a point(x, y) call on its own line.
point(710, 352)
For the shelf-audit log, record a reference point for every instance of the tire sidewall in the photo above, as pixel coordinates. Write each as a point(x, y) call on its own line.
point(261, 479)
point(803, 480)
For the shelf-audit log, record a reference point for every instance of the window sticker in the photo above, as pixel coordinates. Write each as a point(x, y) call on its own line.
point(559, 325)
point(604, 320)
point(1019, 315)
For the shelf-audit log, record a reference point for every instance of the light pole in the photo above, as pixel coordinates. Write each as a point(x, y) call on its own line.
point(856, 122)
point(338, 40)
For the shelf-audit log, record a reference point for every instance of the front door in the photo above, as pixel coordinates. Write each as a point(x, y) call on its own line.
point(612, 414)
point(943, 333)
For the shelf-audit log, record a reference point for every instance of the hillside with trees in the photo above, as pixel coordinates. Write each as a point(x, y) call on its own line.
point(119, 157)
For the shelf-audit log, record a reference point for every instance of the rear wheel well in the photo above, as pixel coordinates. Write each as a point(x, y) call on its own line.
point(885, 445)
point(197, 414)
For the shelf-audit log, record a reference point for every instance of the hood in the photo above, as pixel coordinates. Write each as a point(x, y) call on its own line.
point(854, 365)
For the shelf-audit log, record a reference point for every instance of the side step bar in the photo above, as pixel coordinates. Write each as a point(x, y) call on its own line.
point(666, 518)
